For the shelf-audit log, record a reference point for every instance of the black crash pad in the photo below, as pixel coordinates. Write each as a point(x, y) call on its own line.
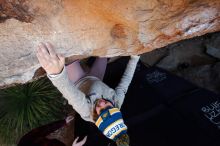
point(160, 109)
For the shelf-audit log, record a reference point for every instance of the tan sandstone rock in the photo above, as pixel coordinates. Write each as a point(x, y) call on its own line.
point(95, 27)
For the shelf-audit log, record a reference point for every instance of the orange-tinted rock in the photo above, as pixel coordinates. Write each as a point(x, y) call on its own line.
point(95, 27)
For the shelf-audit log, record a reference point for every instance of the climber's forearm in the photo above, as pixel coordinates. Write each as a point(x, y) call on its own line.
point(122, 87)
point(75, 97)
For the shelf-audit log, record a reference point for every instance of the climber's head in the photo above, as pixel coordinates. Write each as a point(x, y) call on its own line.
point(111, 123)
point(101, 104)
point(109, 120)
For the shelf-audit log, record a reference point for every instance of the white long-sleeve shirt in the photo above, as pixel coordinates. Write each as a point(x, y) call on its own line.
point(83, 95)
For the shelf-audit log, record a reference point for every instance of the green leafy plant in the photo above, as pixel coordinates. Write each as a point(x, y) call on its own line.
point(24, 107)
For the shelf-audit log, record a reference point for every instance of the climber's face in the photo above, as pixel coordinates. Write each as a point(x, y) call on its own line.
point(102, 104)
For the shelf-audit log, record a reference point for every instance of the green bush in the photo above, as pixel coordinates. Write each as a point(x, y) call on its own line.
point(24, 107)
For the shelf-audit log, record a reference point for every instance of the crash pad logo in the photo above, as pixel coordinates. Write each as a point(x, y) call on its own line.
point(212, 112)
point(156, 77)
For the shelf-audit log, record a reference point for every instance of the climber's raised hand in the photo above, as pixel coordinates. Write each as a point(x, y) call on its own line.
point(51, 62)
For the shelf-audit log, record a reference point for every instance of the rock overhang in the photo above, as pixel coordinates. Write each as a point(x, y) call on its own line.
point(95, 28)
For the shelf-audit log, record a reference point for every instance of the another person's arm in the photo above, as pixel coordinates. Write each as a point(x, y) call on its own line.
point(80, 143)
point(40, 132)
point(54, 65)
point(123, 85)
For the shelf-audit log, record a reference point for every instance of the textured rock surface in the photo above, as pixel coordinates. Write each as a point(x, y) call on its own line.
point(195, 65)
point(186, 53)
point(100, 27)
point(213, 47)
